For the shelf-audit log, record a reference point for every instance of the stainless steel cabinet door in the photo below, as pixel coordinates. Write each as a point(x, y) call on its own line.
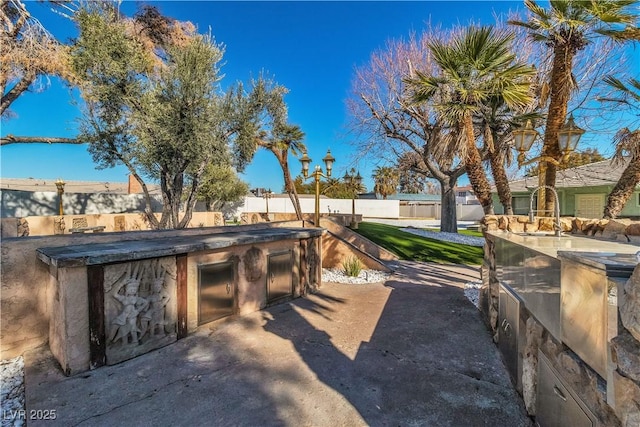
point(279, 282)
point(216, 291)
point(508, 331)
point(556, 406)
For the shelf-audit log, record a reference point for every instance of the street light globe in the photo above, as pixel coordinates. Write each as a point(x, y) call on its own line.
point(569, 135)
point(328, 162)
point(523, 139)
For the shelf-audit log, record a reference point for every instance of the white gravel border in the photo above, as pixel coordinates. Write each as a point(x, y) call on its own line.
point(337, 275)
point(12, 392)
point(447, 237)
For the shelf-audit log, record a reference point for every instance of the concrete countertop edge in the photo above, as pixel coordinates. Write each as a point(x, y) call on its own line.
point(200, 243)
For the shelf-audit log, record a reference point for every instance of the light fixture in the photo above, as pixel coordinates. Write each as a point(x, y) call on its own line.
point(328, 162)
point(306, 161)
point(317, 173)
point(568, 136)
point(523, 139)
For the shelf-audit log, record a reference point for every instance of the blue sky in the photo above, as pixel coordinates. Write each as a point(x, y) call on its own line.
point(309, 47)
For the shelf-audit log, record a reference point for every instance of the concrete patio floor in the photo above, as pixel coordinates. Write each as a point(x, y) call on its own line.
point(411, 352)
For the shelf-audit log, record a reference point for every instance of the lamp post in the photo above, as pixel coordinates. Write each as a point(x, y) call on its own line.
point(60, 186)
point(266, 196)
point(524, 137)
point(317, 174)
point(354, 181)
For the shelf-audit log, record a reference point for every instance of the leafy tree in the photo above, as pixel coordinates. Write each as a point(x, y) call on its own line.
point(304, 187)
point(574, 159)
point(410, 180)
point(220, 186)
point(476, 66)
point(263, 112)
point(27, 52)
point(160, 114)
point(566, 28)
point(391, 125)
point(385, 181)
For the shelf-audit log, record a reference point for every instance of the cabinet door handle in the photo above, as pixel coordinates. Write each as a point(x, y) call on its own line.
point(504, 321)
point(507, 329)
point(559, 393)
point(228, 288)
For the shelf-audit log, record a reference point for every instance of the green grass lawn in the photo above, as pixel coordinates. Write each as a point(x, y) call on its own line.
point(412, 247)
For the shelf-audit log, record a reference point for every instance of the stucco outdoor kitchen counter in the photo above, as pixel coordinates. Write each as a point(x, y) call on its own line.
point(103, 253)
point(550, 245)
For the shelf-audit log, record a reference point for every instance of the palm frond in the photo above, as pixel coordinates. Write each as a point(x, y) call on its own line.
point(627, 143)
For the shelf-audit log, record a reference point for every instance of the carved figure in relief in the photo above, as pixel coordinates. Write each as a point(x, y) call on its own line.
point(125, 324)
point(58, 225)
point(23, 227)
point(153, 319)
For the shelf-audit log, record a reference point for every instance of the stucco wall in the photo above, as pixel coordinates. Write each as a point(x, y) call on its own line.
point(14, 203)
point(44, 225)
point(26, 298)
point(24, 281)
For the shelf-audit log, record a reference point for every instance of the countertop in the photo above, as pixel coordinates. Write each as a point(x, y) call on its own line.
point(103, 253)
point(550, 245)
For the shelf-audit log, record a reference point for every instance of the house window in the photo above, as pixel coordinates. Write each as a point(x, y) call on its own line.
point(520, 204)
point(462, 194)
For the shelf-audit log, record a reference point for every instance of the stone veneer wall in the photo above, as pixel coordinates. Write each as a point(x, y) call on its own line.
point(623, 407)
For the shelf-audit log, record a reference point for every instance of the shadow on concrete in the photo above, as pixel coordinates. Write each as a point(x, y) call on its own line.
point(429, 360)
point(409, 352)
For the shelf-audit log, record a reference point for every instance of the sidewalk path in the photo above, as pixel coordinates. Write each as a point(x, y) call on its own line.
point(410, 352)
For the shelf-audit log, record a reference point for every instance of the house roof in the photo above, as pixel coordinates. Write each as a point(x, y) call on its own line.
point(589, 175)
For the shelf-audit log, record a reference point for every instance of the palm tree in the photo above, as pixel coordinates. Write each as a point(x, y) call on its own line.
point(284, 139)
point(385, 181)
point(476, 66)
point(566, 28)
point(627, 144)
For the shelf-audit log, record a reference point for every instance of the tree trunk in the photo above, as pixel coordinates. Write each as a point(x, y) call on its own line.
point(475, 170)
point(448, 214)
point(559, 98)
point(13, 94)
point(496, 160)
point(623, 190)
point(501, 180)
point(289, 186)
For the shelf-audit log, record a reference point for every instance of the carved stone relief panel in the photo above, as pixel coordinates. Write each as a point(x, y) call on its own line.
point(58, 225)
point(119, 223)
point(23, 227)
point(140, 307)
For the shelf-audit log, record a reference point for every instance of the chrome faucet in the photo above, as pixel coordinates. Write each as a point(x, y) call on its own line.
point(557, 226)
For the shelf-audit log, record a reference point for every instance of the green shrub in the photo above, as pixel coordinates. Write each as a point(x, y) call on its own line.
point(352, 266)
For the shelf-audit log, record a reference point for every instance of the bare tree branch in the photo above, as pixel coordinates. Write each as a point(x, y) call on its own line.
point(11, 139)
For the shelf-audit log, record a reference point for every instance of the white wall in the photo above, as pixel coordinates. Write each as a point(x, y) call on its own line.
point(18, 204)
point(366, 208)
point(463, 212)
